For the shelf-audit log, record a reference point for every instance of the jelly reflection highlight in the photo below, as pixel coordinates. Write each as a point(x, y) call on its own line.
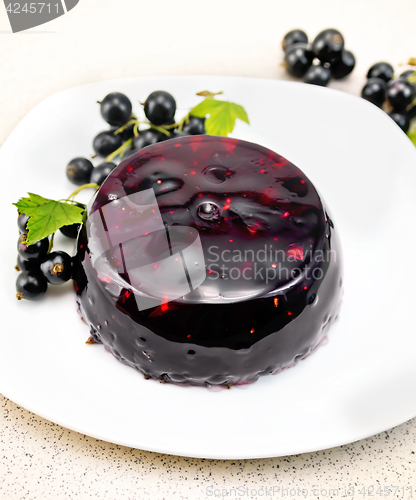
point(158, 264)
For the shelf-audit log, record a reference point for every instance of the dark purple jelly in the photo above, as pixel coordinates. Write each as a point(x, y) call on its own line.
point(208, 261)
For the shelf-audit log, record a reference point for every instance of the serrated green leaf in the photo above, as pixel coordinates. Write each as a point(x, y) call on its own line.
point(47, 216)
point(222, 115)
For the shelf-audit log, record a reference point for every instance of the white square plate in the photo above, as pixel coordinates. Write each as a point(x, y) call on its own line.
point(360, 383)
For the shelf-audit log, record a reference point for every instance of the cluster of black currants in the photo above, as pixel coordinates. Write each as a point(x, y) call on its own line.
point(395, 95)
point(124, 138)
point(320, 61)
point(38, 267)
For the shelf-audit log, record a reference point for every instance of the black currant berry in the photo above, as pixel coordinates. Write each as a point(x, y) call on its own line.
point(344, 66)
point(195, 126)
point(293, 37)
point(101, 172)
point(400, 93)
point(31, 285)
point(411, 112)
point(106, 143)
point(129, 152)
point(381, 70)
point(318, 75)
point(70, 231)
point(160, 107)
point(35, 251)
point(22, 221)
point(116, 109)
point(328, 45)
point(57, 268)
point(148, 137)
point(374, 91)
point(406, 75)
point(128, 133)
point(79, 171)
point(177, 133)
point(26, 265)
point(298, 59)
point(401, 119)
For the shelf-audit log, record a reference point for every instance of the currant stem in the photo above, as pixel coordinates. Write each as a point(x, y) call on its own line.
point(123, 128)
point(81, 188)
point(122, 148)
point(136, 129)
point(184, 120)
point(207, 93)
point(51, 243)
point(68, 200)
point(160, 129)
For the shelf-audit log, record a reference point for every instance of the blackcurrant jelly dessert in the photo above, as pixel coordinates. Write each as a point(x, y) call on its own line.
point(207, 260)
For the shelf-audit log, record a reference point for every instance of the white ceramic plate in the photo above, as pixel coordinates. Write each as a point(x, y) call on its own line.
point(360, 383)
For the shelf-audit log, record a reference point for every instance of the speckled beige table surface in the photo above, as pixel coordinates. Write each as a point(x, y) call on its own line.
point(102, 39)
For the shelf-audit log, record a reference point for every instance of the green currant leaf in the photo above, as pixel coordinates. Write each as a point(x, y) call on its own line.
point(222, 115)
point(47, 216)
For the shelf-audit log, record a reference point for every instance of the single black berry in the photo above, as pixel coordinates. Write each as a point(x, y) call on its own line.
point(72, 230)
point(22, 221)
point(411, 112)
point(128, 133)
point(328, 45)
point(26, 265)
point(35, 251)
point(406, 74)
point(293, 37)
point(101, 172)
point(31, 285)
point(160, 107)
point(374, 91)
point(116, 109)
point(381, 70)
point(129, 152)
point(148, 137)
point(344, 66)
point(56, 267)
point(298, 59)
point(195, 126)
point(400, 93)
point(177, 133)
point(106, 143)
point(401, 119)
point(318, 75)
point(79, 171)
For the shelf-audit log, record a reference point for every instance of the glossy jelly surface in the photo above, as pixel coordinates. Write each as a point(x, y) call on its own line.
point(208, 261)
